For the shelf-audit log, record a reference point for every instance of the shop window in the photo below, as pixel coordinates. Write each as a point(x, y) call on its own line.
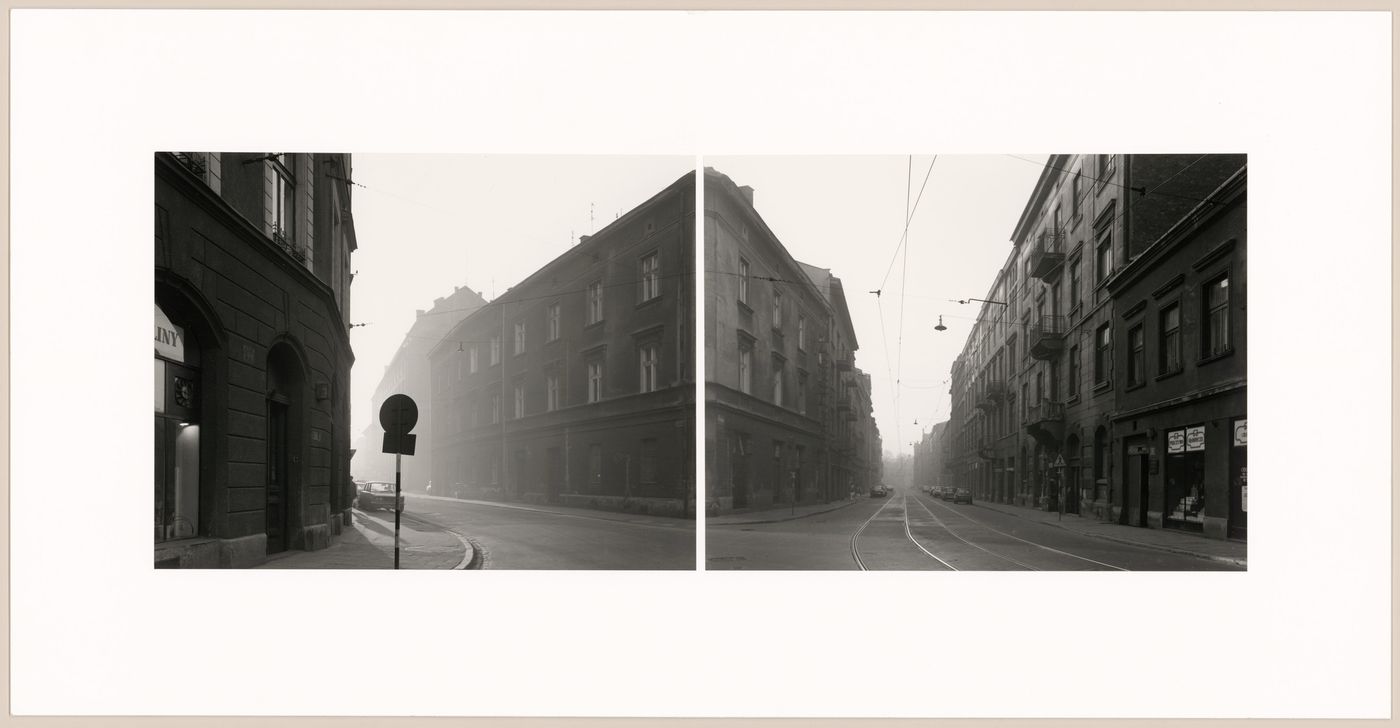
point(595, 466)
point(1185, 485)
point(177, 420)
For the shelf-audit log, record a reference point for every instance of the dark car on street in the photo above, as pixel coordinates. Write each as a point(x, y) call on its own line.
point(949, 493)
point(878, 492)
point(962, 495)
point(376, 494)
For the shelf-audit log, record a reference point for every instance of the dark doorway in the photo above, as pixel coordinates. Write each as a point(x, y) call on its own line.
point(555, 475)
point(277, 471)
point(739, 474)
point(1135, 491)
point(1239, 483)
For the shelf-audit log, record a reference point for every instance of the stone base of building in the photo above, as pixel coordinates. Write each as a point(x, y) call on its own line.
point(675, 507)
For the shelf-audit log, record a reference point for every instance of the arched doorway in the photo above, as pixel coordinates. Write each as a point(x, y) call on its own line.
point(285, 405)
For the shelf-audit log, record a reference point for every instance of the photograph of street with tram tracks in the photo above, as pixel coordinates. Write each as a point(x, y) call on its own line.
point(1001, 362)
point(512, 388)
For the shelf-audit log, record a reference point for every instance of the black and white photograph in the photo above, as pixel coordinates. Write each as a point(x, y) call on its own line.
point(1013, 362)
point(424, 361)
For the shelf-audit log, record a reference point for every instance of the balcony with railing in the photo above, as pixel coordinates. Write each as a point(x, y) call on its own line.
point(1046, 337)
point(1048, 253)
point(1045, 421)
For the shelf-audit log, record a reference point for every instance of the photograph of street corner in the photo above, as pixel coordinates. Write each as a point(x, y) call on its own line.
point(550, 383)
point(1002, 362)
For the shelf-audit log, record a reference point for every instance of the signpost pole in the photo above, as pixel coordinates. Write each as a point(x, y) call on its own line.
point(398, 462)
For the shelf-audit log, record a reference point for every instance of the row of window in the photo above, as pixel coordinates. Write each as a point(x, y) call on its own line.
point(777, 306)
point(649, 366)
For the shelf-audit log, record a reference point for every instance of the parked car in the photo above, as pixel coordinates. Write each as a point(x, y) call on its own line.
point(963, 495)
point(376, 494)
point(878, 492)
point(936, 491)
point(949, 493)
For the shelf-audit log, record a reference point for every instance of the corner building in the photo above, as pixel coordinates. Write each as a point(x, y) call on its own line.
point(252, 355)
point(788, 415)
point(577, 385)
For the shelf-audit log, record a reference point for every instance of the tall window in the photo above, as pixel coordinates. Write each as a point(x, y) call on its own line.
point(1074, 284)
point(1135, 356)
point(472, 359)
point(651, 276)
point(595, 381)
point(1074, 371)
point(1055, 380)
point(777, 310)
point(551, 393)
point(552, 319)
point(495, 407)
point(1169, 355)
point(283, 201)
point(1103, 255)
point(520, 338)
point(1216, 336)
point(778, 383)
point(595, 302)
point(1074, 192)
point(649, 355)
point(801, 332)
point(519, 400)
point(746, 368)
point(1102, 346)
point(743, 281)
point(495, 349)
point(1105, 167)
point(802, 393)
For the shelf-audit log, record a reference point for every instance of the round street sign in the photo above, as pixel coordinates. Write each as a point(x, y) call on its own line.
point(398, 414)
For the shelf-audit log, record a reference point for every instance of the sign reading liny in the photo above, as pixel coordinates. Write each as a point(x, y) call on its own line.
point(397, 416)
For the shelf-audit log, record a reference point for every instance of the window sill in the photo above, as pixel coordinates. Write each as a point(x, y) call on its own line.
point(1135, 386)
point(648, 302)
point(744, 307)
point(1103, 386)
point(1168, 375)
point(1216, 357)
point(595, 325)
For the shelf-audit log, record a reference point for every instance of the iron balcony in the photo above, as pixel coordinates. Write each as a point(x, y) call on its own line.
point(1048, 253)
point(1046, 337)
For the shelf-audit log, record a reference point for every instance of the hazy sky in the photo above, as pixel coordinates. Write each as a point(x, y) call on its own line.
point(427, 223)
point(847, 214)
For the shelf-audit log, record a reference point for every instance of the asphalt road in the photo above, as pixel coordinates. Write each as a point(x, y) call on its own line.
point(913, 531)
point(517, 536)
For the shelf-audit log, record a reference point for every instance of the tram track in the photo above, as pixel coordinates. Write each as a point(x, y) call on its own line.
point(982, 524)
point(855, 537)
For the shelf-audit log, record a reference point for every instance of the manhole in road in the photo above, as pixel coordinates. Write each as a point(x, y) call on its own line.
point(726, 558)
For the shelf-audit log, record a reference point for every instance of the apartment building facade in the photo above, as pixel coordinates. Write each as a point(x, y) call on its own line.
point(788, 416)
point(576, 386)
point(252, 355)
point(1038, 392)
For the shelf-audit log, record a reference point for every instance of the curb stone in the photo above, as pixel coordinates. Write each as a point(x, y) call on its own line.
point(789, 518)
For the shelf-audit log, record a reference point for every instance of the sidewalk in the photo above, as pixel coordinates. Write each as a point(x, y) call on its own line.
point(774, 514)
point(369, 544)
point(1230, 552)
point(632, 518)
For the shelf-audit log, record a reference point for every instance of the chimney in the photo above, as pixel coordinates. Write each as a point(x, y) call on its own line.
point(583, 239)
point(420, 312)
point(747, 192)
